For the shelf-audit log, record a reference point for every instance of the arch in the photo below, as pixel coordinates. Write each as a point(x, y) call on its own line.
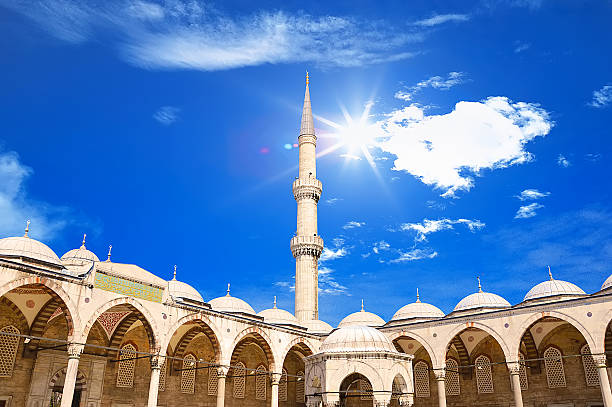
point(184, 341)
point(398, 386)
point(500, 340)
point(24, 321)
point(207, 326)
point(81, 380)
point(147, 320)
point(303, 344)
point(260, 338)
point(55, 290)
point(430, 351)
point(365, 388)
point(355, 366)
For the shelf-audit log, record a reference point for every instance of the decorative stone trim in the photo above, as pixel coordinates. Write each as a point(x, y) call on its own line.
point(307, 188)
point(307, 138)
point(306, 246)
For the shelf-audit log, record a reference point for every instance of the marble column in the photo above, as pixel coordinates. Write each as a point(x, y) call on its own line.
point(440, 378)
point(74, 354)
point(274, 381)
point(515, 371)
point(156, 364)
point(604, 382)
point(221, 376)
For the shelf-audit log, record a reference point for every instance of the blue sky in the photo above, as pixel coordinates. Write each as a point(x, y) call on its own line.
point(167, 129)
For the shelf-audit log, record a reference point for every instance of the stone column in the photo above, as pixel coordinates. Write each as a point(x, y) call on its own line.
point(221, 376)
point(515, 370)
point(74, 354)
point(156, 364)
point(274, 381)
point(604, 382)
point(440, 378)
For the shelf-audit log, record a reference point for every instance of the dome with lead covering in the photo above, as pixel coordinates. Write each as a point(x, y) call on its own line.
point(30, 249)
point(553, 288)
point(179, 290)
point(357, 339)
point(278, 316)
point(482, 300)
point(80, 254)
point(231, 304)
point(418, 310)
point(361, 318)
point(316, 326)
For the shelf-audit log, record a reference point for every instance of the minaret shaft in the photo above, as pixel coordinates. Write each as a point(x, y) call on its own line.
point(307, 246)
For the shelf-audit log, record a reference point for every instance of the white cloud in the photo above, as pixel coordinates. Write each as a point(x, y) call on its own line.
point(184, 34)
point(353, 224)
point(380, 246)
point(593, 157)
point(441, 19)
point(602, 97)
point(166, 115)
point(350, 156)
point(520, 47)
point(332, 201)
point(562, 161)
point(327, 283)
point(331, 254)
point(16, 206)
point(528, 211)
point(429, 226)
point(286, 284)
point(448, 150)
point(414, 254)
point(436, 82)
point(532, 195)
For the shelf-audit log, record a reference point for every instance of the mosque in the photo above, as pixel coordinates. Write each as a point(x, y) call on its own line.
point(78, 331)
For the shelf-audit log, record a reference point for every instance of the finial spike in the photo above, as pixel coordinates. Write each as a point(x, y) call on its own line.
point(307, 78)
point(362, 310)
point(479, 286)
point(275, 302)
point(83, 244)
point(228, 290)
point(174, 276)
point(27, 229)
point(110, 247)
point(550, 273)
point(418, 299)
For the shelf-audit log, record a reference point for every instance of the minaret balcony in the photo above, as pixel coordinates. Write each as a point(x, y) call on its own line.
point(307, 188)
point(307, 245)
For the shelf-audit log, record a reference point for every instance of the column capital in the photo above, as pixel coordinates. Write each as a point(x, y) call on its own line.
point(600, 361)
point(440, 374)
point(222, 371)
point(157, 361)
point(275, 378)
point(75, 350)
point(514, 367)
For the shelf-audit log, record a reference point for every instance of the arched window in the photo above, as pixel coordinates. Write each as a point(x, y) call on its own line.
point(451, 379)
point(421, 379)
point(188, 374)
point(590, 370)
point(523, 372)
point(127, 363)
point(8, 350)
point(260, 383)
point(555, 374)
point(282, 387)
point(239, 376)
point(299, 388)
point(365, 388)
point(162, 376)
point(484, 376)
point(213, 378)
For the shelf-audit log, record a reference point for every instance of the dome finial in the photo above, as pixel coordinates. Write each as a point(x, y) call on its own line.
point(274, 302)
point(550, 273)
point(307, 78)
point(83, 244)
point(110, 247)
point(228, 289)
point(418, 299)
point(479, 286)
point(362, 310)
point(27, 229)
point(174, 276)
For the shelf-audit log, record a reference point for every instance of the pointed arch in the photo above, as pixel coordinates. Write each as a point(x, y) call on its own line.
point(206, 325)
point(304, 345)
point(253, 335)
point(500, 340)
point(184, 341)
point(425, 344)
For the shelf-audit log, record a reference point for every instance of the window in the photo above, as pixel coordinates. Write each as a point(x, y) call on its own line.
point(365, 388)
point(260, 383)
point(162, 376)
point(484, 376)
point(282, 387)
point(188, 374)
point(127, 363)
point(590, 370)
point(523, 372)
point(451, 379)
point(239, 377)
point(213, 378)
point(421, 379)
point(8, 350)
point(555, 374)
point(299, 388)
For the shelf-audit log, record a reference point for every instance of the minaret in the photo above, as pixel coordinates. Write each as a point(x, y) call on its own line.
point(306, 245)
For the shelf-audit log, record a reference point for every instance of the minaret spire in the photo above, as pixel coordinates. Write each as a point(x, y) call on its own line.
point(307, 245)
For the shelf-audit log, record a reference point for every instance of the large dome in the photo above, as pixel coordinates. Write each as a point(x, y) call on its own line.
point(418, 310)
point(553, 288)
point(231, 304)
point(482, 299)
point(316, 326)
point(361, 318)
point(80, 254)
point(278, 316)
point(357, 339)
point(31, 249)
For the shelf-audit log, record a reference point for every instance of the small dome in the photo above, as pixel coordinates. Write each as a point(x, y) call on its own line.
point(482, 299)
point(607, 284)
point(31, 249)
point(278, 316)
point(357, 339)
point(80, 254)
point(316, 326)
point(362, 318)
point(553, 288)
point(179, 290)
point(231, 304)
point(418, 310)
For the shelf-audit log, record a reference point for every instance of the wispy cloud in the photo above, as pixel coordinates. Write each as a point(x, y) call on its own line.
point(531, 195)
point(333, 201)
point(562, 161)
point(286, 284)
point(602, 97)
point(442, 19)
point(350, 156)
point(353, 224)
point(521, 47)
point(429, 226)
point(183, 34)
point(448, 150)
point(435, 82)
point(593, 157)
point(414, 254)
point(328, 284)
point(380, 246)
point(528, 211)
point(167, 115)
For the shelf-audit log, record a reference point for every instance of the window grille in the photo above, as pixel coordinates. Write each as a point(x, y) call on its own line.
point(213, 379)
point(523, 372)
point(127, 363)
point(484, 376)
point(282, 387)
point(555, 373)
point(8, 350)
point(260, 383)
point(299, 388)
point(162, 376)
point(365, 389)
point(590, 370)
point(451, 380)
point(421, 379)
point(188, 374)
point(239, 377)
